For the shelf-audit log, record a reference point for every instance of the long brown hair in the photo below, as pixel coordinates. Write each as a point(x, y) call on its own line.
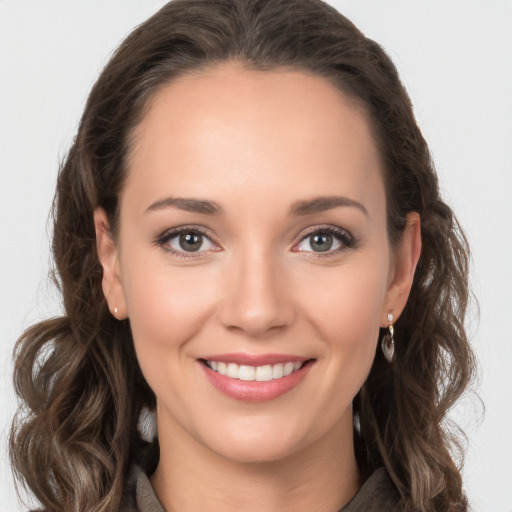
point(80, 385)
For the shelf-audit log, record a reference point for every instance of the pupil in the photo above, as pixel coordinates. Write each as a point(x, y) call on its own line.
point(191, 241)
point(321, 242)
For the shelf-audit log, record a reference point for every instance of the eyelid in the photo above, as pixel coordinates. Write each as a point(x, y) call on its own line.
point(163, 239)
point(347, 240)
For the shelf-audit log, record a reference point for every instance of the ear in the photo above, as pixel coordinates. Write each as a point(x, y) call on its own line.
point(109, 259)
point(405, 259)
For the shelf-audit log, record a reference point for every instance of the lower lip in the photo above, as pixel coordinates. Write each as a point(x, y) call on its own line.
point(256, 391)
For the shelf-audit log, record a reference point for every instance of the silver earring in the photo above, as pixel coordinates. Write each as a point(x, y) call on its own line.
point(115, 311)
point(146, 425)
point(388, 341)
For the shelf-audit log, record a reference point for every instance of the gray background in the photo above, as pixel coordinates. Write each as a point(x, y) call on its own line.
point(455, 57)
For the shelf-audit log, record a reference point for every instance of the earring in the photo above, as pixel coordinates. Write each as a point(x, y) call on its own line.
point(388, 341)
point(115, 311)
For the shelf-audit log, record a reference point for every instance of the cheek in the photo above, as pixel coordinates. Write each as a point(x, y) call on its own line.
point(349, 298)
point(344, 306)
point(166, 305)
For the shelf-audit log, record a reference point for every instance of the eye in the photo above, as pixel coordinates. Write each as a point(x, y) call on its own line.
point(329, 240)
point(186, 242)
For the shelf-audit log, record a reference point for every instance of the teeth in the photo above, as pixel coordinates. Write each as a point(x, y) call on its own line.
point(245, 372)
point(288, 369)
point(254, 373)
point(277, 371)
point(263, 373)
point(233, 370)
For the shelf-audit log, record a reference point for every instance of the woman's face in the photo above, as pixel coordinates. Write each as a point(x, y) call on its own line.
point(253, 243)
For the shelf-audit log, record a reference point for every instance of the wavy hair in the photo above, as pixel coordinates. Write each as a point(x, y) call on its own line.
point(80, 386)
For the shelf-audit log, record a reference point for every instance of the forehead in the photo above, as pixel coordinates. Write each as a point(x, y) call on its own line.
point(252, 131)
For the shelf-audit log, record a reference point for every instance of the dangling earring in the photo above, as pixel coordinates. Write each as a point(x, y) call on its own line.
point(388, 341)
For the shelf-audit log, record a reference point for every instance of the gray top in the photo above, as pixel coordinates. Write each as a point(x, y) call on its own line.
point(376, 495)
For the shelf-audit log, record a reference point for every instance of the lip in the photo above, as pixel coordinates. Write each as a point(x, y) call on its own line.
point(256, 391)
point(255, 359)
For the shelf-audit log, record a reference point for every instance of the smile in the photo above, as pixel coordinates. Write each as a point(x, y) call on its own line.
point(255, 378)
point(254, 373)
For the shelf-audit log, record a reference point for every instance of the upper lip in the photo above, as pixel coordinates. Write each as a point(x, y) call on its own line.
point(255, 359)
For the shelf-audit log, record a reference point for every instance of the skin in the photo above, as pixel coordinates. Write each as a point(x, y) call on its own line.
point(255, 143)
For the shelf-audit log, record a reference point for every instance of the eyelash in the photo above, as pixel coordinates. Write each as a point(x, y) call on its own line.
point(347, 240)
point(163, 240)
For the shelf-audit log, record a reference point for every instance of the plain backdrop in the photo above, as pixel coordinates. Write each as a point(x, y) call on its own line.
point(455, 58)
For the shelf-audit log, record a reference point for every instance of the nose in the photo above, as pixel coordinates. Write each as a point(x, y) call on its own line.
point(257, 299)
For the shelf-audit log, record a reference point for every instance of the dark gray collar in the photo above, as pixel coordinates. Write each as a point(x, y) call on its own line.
point(376, 495)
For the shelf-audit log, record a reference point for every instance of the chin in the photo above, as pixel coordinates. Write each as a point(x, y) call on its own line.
point(258, 444)
point(258, 453)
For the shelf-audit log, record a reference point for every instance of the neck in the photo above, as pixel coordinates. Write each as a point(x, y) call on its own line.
point(322, 477)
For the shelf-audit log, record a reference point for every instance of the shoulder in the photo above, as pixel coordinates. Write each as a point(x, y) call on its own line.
point(377, 493)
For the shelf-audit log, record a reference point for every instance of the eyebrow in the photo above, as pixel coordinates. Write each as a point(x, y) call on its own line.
point(188, 204)
point(323, 203)
point(298, 208)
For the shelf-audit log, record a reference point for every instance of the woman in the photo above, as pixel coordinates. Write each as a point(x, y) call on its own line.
point(250, 241)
